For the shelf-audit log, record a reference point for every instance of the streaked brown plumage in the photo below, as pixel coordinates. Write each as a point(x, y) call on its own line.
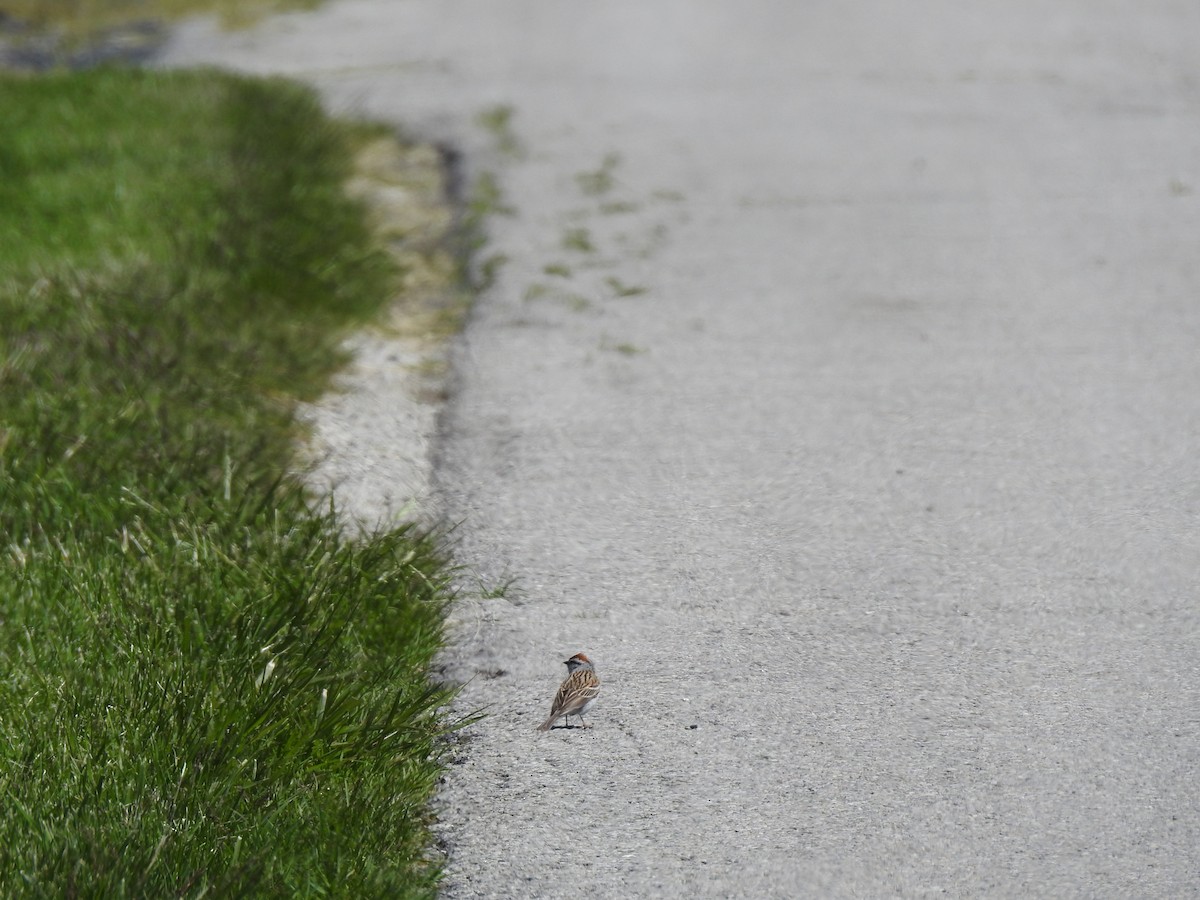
point(576, 694)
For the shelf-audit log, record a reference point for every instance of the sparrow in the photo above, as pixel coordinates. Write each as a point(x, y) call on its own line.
point(576, 694)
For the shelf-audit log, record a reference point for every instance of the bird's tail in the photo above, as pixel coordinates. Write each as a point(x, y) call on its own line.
point(545, 726)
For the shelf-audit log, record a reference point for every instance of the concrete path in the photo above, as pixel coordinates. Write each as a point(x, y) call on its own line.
point(841, 398)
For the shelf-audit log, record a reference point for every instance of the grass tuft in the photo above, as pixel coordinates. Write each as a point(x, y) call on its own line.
point(601, 180)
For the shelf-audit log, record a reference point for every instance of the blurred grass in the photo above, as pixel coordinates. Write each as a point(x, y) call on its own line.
point(82, 17)
point(207, 689)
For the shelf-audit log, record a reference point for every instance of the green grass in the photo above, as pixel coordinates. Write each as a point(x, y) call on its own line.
point(81, 17)
point(620, 289)
point(498, 121)
point(600, 181)
point(208, 690)
point(486, 199)
point(579, 240)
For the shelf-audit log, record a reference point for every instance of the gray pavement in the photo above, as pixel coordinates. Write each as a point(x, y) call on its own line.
point(860, 450)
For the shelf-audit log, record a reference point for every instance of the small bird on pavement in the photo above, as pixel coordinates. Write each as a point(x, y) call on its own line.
point(576, 694)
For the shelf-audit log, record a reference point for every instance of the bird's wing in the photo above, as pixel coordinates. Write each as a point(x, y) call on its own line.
point(576, 691)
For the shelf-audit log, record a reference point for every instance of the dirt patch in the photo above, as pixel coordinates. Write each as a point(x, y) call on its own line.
point(372, 436)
